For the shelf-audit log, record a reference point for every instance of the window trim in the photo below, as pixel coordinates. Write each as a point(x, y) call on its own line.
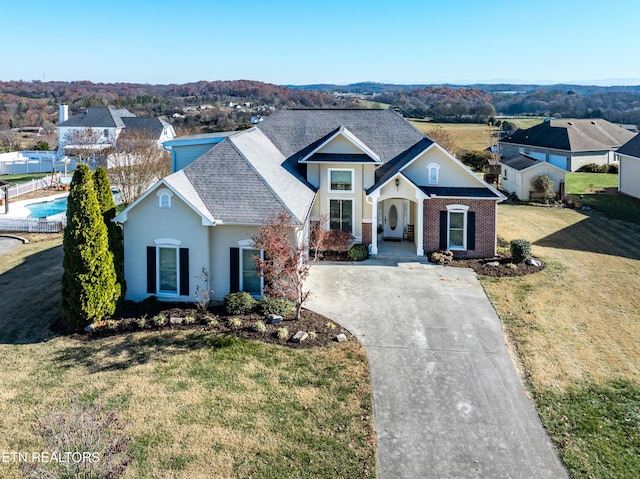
point(167, 243)
point(353, 179)
point(457, 209)
point(164, 193)
point(431, 167)
point(244, 246)
point(353, 204)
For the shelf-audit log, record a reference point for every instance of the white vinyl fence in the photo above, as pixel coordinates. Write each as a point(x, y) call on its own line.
point(24, 188)
point(32, 225)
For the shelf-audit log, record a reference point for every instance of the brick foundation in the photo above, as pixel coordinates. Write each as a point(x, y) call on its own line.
point(366, 233)
point(485, 238)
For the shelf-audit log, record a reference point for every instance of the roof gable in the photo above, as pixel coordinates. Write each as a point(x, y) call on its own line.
point(341, 146)
point(631, 147)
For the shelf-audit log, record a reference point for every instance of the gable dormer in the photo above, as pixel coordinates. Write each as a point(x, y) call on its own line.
point(341, 146)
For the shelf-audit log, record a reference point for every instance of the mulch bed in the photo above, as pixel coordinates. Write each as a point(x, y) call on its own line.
point(504, 268)
point(127, 320)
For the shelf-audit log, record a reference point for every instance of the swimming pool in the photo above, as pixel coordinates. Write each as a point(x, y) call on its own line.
point(47, 208)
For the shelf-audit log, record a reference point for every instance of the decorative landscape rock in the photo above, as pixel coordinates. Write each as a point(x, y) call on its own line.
point(273, 319)
point(176, 320)
point(533, 262)
point(493, 264)
point(341, 338)
point(300, 336)
point(89, 328)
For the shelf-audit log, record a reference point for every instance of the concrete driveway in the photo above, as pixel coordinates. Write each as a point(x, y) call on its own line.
point(448, 401)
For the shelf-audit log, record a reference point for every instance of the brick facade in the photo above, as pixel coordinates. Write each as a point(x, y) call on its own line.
point(485, 226)
point(366, 233)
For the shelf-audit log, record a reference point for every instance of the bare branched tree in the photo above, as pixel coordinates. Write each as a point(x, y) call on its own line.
point(136, 163)
point(86, 143)
point(444, 138)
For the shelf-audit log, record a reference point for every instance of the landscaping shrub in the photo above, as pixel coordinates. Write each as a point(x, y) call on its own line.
point(475, 160)
point(259, 327)
point(337, 240)
point(358, 252)
point(543, 184)
point(613, 168)
point(270, 305)
point(520, 250)
point(283, 333)
point(593, 168)
point(239, 303)
point(159, 320)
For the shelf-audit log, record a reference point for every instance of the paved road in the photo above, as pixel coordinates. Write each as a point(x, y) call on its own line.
point(7, 244)
point(448, 401)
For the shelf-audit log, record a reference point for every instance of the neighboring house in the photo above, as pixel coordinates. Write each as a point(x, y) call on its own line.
point(629, 171)
point(568, 144)
point(100, 127)
point(368, 172)
point(519, 171)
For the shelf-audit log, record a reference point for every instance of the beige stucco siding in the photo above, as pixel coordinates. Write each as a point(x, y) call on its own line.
point(630, 176)
point(451, 173)
point(147, 223)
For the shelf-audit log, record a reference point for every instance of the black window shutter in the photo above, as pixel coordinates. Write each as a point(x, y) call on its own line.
point(471, 230)
point(443, 230)
point(151, 269)
point(234, 270)
point(184, 271)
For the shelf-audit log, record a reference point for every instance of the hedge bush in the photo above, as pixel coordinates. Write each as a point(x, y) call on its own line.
point(239, 303)
point(270, 305)
point(520, 250)
point(358, 252)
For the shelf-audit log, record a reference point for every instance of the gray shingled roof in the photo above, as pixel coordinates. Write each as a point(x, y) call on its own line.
point(385, 132)
point(520, 162)
point(631, 147)
point(573, 135)
point(147, 123)
point(99, 117)
point(241, 181)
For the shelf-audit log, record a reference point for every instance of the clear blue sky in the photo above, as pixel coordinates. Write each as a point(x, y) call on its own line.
point(303, 42)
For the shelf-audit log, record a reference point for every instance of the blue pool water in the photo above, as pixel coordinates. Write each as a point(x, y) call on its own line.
point(47, 208)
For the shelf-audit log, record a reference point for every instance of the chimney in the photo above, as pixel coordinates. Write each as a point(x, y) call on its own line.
point(64, 113)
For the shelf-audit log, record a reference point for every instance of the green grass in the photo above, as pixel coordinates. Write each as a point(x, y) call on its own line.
point(599, 191)
point(24, 178)
point(195, 404)
point(468, 136)
point(596, 428)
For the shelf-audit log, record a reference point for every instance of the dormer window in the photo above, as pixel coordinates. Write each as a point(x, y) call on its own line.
point(341, 180)
point(164, 198)
point(433, 171)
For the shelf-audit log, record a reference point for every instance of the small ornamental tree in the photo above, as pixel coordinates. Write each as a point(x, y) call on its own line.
point(285, 266)
point(114, 231)
point(543, 184)
point(89, 289)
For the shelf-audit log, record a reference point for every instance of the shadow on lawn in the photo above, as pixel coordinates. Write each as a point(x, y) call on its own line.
point(597, 233)
point(30, 294)
point(123, 351)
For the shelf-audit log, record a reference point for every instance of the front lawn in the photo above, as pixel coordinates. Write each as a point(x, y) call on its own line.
point(22, 178)
point(195, 403)
point(574, 328)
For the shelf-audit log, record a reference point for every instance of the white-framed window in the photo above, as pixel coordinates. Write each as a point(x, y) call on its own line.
point(433, 172)
point(250, 279)
point(167, 267)
point(341, 180)
point(164, 198)
point(341, 215)
point(457, 227)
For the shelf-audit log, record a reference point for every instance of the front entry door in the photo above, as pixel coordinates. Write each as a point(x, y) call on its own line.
point(393, 220)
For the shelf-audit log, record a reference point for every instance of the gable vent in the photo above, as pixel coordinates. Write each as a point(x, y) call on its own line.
point(593, 123)
point(570, 123)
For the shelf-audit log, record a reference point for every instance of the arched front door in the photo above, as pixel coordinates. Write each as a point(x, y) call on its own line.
point(393, 220)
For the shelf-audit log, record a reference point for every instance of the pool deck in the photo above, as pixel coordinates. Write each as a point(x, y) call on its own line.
point(18, 209)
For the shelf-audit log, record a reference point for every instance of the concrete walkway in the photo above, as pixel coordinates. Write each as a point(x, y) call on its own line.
point(448, 401)
point(7, 243)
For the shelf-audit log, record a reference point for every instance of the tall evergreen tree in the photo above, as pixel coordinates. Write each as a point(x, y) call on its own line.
point(114, 232)
point(89, 289)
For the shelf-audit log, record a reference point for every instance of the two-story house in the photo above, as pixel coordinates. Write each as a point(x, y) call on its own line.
point(368, 172)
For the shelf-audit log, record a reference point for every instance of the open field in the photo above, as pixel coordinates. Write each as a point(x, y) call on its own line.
point(468, 136)
point(195, 404)
point(575, 328)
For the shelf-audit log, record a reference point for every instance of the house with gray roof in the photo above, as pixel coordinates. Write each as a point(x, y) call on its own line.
point(568, 143)
point(367, 172)
point(629, 169)
point(98, 128)
point(519, 171)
